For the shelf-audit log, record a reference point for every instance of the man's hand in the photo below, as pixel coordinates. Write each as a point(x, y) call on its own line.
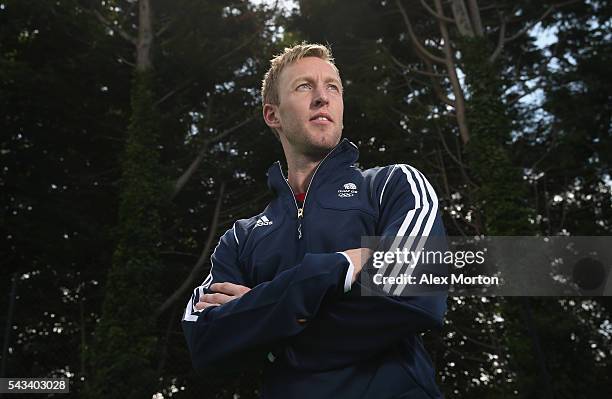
point(359, 257)
point(223, 293)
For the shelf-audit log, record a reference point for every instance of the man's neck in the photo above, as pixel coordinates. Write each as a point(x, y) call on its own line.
point(300, 170)
point(301, 165)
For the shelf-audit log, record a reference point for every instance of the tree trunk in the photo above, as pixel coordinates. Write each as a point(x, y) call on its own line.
point(454, 79)
point(462, 19)
point(502, 193)
point(123, 357)
point(144, 41)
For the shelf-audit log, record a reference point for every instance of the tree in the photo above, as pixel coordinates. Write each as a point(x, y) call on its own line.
point(57, 179)
point(64, 164)
point(137, 265)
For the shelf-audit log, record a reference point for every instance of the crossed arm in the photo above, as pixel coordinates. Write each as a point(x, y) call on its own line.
point(222, 293)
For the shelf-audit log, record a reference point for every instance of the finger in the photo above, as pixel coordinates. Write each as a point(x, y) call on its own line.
point(230, 289)
point(217, 298)
point(204, 305)
point(226, 288)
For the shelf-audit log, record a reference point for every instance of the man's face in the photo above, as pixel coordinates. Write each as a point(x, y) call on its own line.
point(310, 110)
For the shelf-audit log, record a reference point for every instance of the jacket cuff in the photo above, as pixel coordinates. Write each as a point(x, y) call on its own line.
point(348, 279)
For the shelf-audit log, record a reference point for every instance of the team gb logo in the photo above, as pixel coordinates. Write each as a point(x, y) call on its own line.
point(349, 190)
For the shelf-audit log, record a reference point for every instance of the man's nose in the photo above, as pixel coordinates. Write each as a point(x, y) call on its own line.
point(320, 98)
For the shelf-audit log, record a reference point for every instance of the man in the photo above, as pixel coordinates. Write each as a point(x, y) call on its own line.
point(284, 284)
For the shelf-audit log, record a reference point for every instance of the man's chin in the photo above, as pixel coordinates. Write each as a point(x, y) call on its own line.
point(321, 146)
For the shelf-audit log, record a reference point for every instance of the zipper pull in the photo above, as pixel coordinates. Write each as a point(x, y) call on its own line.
point(300, 215)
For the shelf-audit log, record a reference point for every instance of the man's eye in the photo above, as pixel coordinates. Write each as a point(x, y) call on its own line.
point(334, 87)
point(304, 86)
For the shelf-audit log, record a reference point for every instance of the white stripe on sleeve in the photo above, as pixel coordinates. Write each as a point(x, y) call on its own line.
point(385, 185)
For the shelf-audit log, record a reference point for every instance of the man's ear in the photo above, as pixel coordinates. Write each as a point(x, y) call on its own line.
point(270, 115)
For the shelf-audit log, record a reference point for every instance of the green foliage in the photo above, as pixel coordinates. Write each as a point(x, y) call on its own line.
point(501, 191)
point(59, 152)
point(126, 338)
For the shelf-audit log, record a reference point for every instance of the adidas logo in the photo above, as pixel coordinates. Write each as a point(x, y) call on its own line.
point(263, 221)
point(348, 190)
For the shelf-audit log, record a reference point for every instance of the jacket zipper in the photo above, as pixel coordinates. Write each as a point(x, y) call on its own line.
point(300, 211)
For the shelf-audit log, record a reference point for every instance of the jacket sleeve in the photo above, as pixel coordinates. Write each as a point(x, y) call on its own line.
point(248, 326)
point(358, 326)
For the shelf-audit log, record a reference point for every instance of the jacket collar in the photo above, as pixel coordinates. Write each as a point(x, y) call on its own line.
point(345, 153)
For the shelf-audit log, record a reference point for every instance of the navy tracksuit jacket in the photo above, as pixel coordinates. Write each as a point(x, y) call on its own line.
point(314, 339)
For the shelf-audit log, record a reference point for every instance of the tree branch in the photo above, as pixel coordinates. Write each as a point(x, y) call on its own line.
point(417, 43)
point(113, 27)
point(434, 83)
point(166, 25)
point(178, 253)
point(447, 187)
point(213, 63)
point(500, 41)
point(475, 341)
point(196, 270)
point(475, 16)
point(546, 13)
point(448, 151)
point(174, 91)
point(236, 49)
point(526, 93)
point(226, 132)
point(460, 108)
point(122, 60)
point(464, 172)
point(437, 87)
point(420, 72)
point(549, 147)
point(181, 181)
point(435, 14)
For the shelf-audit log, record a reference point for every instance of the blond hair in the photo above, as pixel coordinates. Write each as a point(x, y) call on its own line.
point(269, 85)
